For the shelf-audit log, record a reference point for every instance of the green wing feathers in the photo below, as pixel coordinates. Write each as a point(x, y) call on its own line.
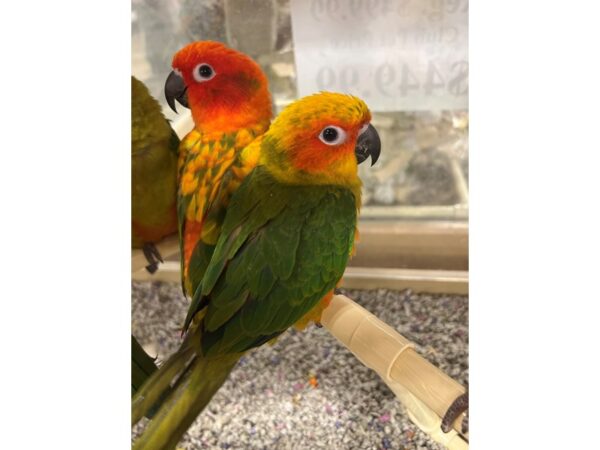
point(282, 248)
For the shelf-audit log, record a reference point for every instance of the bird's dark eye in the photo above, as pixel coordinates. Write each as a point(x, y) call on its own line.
point(203, 72)
point(332, 135)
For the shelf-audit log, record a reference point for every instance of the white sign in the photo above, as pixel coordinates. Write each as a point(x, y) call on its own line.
point(397, 55)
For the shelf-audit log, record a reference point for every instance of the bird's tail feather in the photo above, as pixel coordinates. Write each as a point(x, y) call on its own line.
point(158, 383)
point(191, 394)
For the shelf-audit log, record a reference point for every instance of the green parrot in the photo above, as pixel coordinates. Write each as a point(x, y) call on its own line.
point(154, 153)
point(287, 236)
point(153, 195)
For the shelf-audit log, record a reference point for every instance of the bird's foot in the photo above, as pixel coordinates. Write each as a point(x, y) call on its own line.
point(314, 315)
point(152, 256)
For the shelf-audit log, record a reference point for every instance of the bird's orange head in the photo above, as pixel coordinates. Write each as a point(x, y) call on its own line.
point(321, 139)
point(225, 89)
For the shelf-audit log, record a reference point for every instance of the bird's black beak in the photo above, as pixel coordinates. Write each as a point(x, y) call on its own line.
point(368, 144)
point(175, 90)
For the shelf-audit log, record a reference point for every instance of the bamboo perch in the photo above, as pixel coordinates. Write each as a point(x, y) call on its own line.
point(422, 388)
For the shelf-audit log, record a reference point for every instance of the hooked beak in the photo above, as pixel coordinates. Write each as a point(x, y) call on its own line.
point(175, 90)
point(368, 144)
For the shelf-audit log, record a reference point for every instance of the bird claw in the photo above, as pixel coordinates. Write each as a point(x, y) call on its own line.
point(152, 268)
point(152, 256)
point(459, 406)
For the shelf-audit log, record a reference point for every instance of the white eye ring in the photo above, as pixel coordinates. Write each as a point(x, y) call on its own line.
point(363, 128)
point(203, 72)
point(332, 135)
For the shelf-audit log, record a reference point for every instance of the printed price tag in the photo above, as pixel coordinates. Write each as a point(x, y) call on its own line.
point(397, 55)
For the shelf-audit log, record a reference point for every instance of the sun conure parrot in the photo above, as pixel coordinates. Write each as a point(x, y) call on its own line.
point(230, 103)
point(153, 174)
point(285, 241)
point(153, 195)
point(228, 95)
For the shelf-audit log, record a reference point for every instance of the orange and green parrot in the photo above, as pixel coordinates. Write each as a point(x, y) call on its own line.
point(229, 98)
point(228, 95)
point(153, 174)
point(286, 238)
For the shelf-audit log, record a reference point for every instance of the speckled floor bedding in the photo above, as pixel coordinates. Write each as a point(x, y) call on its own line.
point(307, 391)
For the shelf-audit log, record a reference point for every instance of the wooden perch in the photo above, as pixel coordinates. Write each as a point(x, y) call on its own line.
point(422, 388)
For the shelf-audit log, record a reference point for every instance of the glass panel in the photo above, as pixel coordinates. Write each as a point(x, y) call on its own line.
point(423, 169)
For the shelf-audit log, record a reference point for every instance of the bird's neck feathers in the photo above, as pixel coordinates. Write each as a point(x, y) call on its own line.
point(290, 166)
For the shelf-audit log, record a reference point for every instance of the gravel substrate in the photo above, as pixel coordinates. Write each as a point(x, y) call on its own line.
point(307, 391)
